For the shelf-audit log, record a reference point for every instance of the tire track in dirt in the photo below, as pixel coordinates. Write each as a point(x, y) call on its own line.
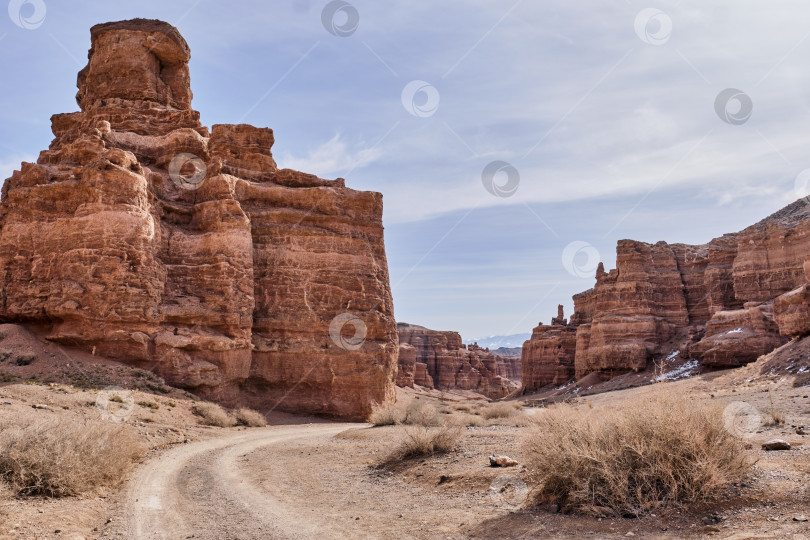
point(199, 491)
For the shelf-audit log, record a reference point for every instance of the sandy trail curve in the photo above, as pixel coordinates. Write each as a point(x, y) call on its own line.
point(199, 491)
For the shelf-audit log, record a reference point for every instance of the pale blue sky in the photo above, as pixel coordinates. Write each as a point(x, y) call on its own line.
point(613, 136)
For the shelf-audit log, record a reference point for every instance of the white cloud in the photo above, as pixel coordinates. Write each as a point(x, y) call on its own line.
point(332, 158)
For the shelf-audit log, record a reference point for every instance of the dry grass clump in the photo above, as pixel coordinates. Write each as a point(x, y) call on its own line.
point(777, 417)
point(631, 458)
point(66, 458)
point(387, 414)
point(499, 410)
point(149, 405)
point(420, 413)
point(212, 414)
point(250, 418)
point(421, 441)
point(466, 420)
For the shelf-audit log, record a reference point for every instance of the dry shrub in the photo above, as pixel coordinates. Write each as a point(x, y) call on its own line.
point(212, 414)
point(149, 405)
point(387, 414)
point(628, 459)
point(499, 410)
point(421, 441)
point(466, 420)
point(419, 413)
point(250, 418)
point(463, 408)
point(776, 416)
point(67, 458)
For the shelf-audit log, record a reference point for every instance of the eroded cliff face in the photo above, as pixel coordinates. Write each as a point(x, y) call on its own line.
point(724, 303)
point(437, 359)
point(144, 237)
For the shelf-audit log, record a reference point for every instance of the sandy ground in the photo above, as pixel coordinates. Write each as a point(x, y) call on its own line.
point(308, 478)
point(324, 481)
point(203, 490)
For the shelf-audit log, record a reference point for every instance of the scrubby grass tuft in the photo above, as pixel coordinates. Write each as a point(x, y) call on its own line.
point(212, 414)
point(419, 413)
point(776, 416)
point(149, 405)
point(499, 410)
point(66, 458)
point(631, 458)
point(387, 414)
point(466, 420)
point(250, 418)
point(26, 359)
point(421, 441)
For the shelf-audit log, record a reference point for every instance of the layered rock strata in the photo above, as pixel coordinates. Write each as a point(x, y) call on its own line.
point(145, 237)
point(724, 303)
point(509, 365)
point(440, 360)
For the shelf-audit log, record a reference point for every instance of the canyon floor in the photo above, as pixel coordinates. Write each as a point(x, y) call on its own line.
point(304, 477)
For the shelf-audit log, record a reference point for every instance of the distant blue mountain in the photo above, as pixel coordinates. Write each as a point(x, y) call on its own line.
point(495, 342)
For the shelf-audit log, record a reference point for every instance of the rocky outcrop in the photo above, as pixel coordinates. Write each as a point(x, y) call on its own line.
point(143, 236)
point(725, 303)
point(442, 361)
point(738, 337)
point(792, 309)
point(509, 364)
point(792, 312)
point(548, 357)
point(406, 365)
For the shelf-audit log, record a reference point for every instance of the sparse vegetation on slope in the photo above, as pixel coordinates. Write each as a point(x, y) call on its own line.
point(250, 418)
point(213, 415)
point(638, 455)
point(66, 458)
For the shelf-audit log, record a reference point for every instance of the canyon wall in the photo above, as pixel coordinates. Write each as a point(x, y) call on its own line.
point(145, 237)
point(724, 303)
point(437, 359)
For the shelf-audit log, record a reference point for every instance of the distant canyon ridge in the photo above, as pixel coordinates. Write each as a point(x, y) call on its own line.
point(724, 303)
point(439, 360)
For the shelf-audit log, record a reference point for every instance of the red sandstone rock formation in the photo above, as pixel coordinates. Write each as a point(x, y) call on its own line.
point(442, 361)
point(141, 235)
point(738, 337)
point(406, 369)
point(548, 357)
point(509, 366)
point(725, 303)
point(792, 309)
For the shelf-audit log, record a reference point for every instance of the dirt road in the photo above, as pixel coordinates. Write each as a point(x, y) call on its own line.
point(200, 491)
